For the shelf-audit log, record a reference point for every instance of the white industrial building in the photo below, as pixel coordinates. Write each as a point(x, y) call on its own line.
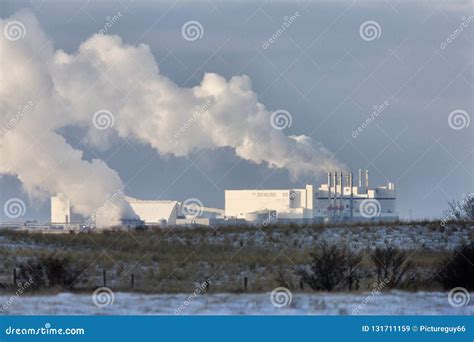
point(150, 212)
point(337, 200)
point(255, 205)
point(155, 212)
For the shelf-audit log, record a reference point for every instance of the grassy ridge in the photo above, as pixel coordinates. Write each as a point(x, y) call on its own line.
point(174, 260)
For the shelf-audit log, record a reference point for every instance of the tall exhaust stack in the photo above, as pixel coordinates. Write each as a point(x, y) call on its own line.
point(351, 201)
point(341, 200)
point(335, 193)
point(360, 178)
point(367, 179)
point(329, 194)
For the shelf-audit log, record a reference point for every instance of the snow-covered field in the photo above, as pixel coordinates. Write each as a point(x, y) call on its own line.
point(387, 303)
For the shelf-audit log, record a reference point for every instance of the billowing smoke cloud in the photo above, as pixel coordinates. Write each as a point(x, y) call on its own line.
point(113, 89)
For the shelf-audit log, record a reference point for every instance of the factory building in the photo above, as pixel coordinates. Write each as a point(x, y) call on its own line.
point(340, 200)
point(150, 212)
point(257, 205)
point(155, 212)
point(337, 200)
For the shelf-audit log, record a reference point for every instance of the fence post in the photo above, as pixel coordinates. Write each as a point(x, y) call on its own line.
point(104, 278)
point(301, 285)
point(245, 283)
point(132, 280)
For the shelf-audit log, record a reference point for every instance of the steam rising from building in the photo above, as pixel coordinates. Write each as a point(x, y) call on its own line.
point(115, 90)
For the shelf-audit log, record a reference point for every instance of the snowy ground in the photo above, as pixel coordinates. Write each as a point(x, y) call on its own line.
point(357, 238)
point(387, 303)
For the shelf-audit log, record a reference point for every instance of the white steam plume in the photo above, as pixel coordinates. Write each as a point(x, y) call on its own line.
point(124, 82)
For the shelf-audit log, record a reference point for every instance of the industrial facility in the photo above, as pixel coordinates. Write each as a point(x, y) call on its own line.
point(337, 200)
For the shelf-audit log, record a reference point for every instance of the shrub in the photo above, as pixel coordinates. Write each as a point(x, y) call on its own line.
point(391, 266)
point(458, 268)
point(333, 267)
point(49, 271)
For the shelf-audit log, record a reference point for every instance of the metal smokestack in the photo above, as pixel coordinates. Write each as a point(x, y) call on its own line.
point(341, 187)
point(335, 193)
point(367, 179)
point(360, 178)
point(351, 201)
point(329, 194)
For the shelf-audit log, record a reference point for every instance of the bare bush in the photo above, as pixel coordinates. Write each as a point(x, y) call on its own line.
point(391, 266)
point(47, 271)
point(462, 210)
point(458, 268)
point(332, 268)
